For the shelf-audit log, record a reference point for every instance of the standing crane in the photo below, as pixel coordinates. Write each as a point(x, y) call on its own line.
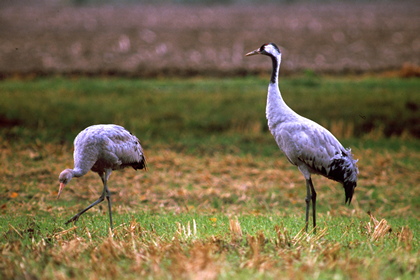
point(103, 148)
point(306, 144)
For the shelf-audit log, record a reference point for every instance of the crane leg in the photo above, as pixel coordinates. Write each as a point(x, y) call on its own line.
point(108, 197)
point(76, 217)
point(310, 196)
point(313, 195)
point(105, 193)
point(307, 200)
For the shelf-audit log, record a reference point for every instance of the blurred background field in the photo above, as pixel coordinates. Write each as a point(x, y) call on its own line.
point(219, 200)
point(208, 38)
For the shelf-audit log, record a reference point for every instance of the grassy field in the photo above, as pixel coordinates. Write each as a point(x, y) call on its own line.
point(219, 201)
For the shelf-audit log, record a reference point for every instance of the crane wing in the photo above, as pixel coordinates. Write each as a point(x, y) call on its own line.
point(307, 143)
point(126, 147)
point(110, 146)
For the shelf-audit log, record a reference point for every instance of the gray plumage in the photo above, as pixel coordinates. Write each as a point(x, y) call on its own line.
point(103, 148)
point(306, 144)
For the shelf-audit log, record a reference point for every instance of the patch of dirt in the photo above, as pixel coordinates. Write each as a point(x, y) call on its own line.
point(177, 40)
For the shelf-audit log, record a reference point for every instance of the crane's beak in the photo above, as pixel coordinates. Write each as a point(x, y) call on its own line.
point(60, 190)
point(257, 51)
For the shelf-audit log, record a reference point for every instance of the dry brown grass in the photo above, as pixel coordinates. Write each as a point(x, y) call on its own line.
point(131, 252)
point(182, 183)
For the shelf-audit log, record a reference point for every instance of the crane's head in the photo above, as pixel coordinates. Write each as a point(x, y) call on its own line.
point(269, 49)
point(64, 179)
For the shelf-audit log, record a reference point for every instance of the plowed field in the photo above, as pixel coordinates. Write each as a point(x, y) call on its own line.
point(167, 40)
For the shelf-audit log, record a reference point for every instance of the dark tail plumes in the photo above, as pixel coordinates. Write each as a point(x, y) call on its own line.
point(349, 190)
point(140, 165)
point(345, 170)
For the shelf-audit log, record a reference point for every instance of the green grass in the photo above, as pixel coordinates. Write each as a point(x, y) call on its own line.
point(219, 200)
point(198, 112)
point(190, 245)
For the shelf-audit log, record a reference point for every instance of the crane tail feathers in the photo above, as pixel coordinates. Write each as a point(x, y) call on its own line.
point(140, 165)
point(349, 191)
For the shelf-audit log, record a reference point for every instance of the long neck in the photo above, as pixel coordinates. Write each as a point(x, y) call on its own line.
point(78, 172)
point(277, 110)
point(81, 166)
point(67, 174)
point(276, 60)
point(84, 157)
